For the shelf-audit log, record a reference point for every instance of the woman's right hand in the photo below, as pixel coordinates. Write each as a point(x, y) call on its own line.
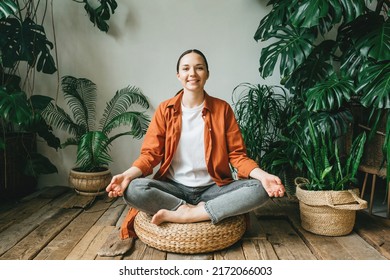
point(120, 182)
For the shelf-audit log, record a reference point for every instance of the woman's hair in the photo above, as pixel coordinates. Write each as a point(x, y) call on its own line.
point(192, 51)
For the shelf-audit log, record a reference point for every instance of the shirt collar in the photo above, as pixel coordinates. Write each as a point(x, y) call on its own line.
point(175, 102)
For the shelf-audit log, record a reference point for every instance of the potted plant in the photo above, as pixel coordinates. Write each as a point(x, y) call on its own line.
point(259, 110)
point(24, 49)
point(22, 41)
point(331, 54)
point(94, 140)
point(328, 196)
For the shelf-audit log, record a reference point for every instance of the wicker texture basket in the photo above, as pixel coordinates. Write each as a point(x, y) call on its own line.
point(329, 213)
point(189, 238)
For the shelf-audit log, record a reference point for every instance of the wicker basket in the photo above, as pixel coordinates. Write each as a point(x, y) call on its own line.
point(329, 213)
point(189, 238)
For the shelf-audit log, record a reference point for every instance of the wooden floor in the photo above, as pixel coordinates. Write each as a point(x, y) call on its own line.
point(57, 224)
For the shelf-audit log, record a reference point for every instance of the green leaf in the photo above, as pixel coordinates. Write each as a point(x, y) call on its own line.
point(122, 101)
point(99, 15)
point(292, 48)
point(351, 9)
point(80, 94)
point(309, 12)
point(14, 107)
point(326, 172)
point(368, 36)
point(25, 41)
point(374, 83)
point(93, 151)
point(7, 8)
point(316, 68)
point(278, 16)
point(330, 94)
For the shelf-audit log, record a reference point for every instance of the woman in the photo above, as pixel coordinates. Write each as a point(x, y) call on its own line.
point(196, 140)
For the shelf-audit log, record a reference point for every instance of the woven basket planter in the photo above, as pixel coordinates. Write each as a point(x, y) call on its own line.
point(329, 213)
point(90, 183)
point(189, 238)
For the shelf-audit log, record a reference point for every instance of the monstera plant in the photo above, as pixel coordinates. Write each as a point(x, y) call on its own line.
point(331, 54)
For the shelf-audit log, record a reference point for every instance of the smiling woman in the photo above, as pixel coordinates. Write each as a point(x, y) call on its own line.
point(194, 185)
point(134, 51)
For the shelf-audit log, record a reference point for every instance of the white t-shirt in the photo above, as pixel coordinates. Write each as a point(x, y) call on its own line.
point(188, 166)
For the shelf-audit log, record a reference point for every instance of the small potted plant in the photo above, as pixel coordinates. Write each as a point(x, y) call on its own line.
point(93, 143)
point(328, 198)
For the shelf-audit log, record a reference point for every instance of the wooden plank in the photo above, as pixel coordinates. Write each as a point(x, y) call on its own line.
point(375, 231)
point(254, 230)
point(258, 249)
point(233, 252)
point(285, 240)
point(89, 245)
point(141, 251)
point(22, 209)
point(113, 213)
point(80, 201)
point(32, 244)
point(13, 234)
point(322, 247)
point(63, 243)
point(114, 247)
point(270, 209)
point(205, 256)
point(358, 248)
point(325, 247)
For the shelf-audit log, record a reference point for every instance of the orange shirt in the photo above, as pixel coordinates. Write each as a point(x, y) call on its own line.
point(224, 144)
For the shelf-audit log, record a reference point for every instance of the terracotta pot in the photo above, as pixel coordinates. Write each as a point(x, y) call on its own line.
point(90, 183)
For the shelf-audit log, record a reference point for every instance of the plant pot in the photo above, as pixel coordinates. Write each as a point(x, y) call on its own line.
point(329, 213)
point(14, 183)
point(90, 183)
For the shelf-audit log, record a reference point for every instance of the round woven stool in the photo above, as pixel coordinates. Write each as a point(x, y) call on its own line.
point(189, 238)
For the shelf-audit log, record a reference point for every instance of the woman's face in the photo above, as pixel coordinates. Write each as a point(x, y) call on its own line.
point(193, 72)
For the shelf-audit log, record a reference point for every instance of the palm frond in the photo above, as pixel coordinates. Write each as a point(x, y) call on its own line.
point(121, 102)
point(80, 94)
point(137, 121)
point(93, 151)
point(57, 117)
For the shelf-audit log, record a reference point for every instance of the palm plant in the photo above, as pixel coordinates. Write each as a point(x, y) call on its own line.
point(331, 52)
point(93, 145)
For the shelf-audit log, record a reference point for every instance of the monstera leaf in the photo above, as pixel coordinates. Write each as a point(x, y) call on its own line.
point(292, 48)
point(25, 41)
point(316, 68)
point(374, 83)
point(330, 94)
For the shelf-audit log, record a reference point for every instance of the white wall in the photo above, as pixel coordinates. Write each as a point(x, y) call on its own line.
point(141, 48)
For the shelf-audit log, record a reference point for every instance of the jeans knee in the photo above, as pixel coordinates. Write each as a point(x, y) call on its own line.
point(261, 194)
point(135, 192)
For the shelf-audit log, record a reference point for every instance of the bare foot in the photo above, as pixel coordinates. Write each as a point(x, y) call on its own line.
point(186, 213)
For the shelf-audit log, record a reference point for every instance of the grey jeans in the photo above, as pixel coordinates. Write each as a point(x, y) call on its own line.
point(238, 197)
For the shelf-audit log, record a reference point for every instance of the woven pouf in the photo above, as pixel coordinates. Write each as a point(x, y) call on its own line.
point(189, 238)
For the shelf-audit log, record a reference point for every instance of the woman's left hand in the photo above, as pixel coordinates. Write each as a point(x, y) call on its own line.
point(271, 183)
